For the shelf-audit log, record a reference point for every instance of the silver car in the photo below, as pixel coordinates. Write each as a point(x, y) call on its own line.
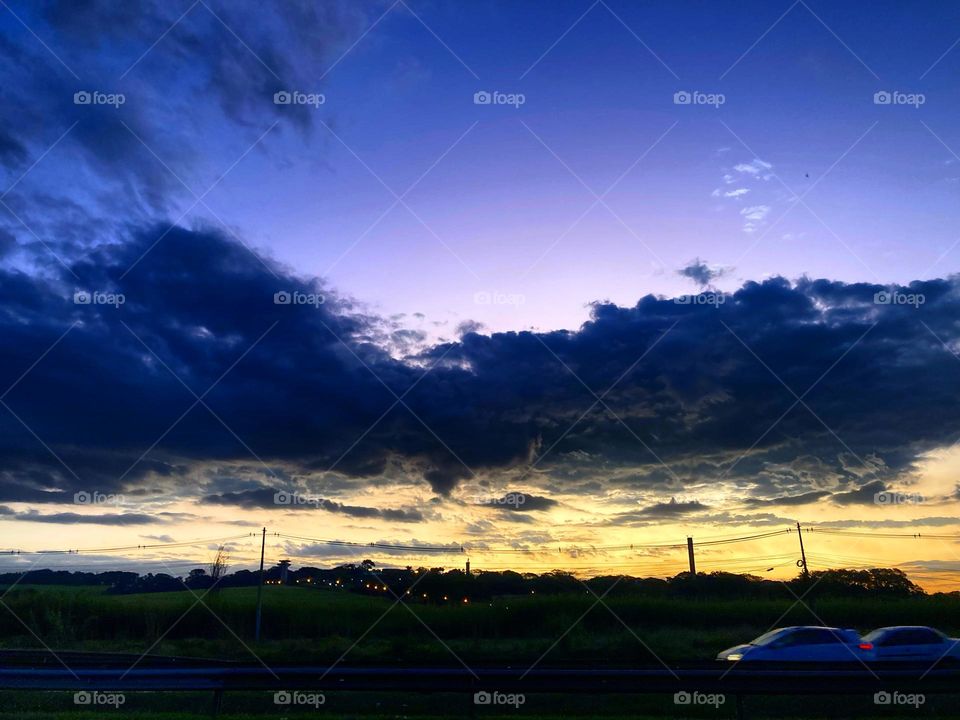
point(910, 643)
point(804, 643)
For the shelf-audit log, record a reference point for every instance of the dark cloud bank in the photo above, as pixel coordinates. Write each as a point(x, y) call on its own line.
point(703, 388)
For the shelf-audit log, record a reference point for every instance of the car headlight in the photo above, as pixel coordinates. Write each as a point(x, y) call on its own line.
point(734, 657)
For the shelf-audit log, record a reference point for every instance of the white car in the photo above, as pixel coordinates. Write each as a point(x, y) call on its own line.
point(910, 643)
point(804, 643)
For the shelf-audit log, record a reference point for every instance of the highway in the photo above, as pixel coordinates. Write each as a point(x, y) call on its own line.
point(715, 678)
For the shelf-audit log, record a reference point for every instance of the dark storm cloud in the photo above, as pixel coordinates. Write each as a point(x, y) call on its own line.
point(272, 499)
point(113, 406)
point(674, 508)
point(70, 518)
point(863, 495)
point(520, 502)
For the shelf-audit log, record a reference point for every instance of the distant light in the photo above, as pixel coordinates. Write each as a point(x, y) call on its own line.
point(465, 600)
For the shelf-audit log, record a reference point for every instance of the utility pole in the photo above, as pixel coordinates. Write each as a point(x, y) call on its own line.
point(803, 555)
point(263, 545)
point(693, 564)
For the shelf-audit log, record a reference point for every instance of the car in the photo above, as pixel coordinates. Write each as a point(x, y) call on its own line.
point(910, 643)
point(803, 643)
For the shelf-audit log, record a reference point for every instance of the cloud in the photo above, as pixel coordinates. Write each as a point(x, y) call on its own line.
point(159, 538)
point(789, 500)
point(701, 273)
point(863, 495)
point(70, 518)
point(519, 502)
point(674, 508)
point(313, 389)
point(267, 498)
point(754, 217)
point(755, 168)
point(198, 85)
point(739, 192)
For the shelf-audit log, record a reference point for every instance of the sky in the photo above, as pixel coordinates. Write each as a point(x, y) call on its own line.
point(496, 276)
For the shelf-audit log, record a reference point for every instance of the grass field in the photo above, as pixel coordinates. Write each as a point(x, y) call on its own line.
point(309, 625)
point(306, 625)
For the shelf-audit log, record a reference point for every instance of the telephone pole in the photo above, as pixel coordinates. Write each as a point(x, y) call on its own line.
point(263, 545)
point(803, 555)
point(693, 564)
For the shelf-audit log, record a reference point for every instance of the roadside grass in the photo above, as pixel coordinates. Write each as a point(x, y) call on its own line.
point(307, 625)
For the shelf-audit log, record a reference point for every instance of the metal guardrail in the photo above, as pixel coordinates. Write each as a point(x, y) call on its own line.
point(739, 680)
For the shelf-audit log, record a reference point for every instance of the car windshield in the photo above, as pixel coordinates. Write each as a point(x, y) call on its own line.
point(905, 636)
point(769, 637)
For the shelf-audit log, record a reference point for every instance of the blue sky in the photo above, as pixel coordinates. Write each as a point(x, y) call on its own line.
point(505, 185)
point(814, 167)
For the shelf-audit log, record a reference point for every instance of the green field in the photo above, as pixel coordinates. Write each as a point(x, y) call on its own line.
point(307, 625)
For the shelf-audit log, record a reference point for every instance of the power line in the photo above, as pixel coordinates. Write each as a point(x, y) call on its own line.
point(122, 548)
point(855, 533)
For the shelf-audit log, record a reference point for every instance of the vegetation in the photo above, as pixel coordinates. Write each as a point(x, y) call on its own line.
point(488, 618)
